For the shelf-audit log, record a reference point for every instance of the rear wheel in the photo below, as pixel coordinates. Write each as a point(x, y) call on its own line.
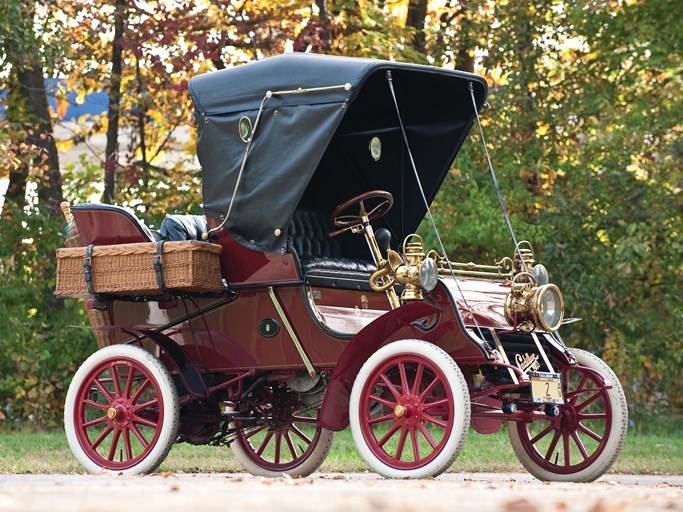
point(290, 441)
point(121, 411)
point(584, 440)
point(409, 410)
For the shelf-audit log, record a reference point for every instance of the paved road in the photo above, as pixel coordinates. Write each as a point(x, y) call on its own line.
point(358, 492)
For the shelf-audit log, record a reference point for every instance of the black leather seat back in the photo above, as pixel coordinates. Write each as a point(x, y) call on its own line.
point(309, 231)
point(320, 254)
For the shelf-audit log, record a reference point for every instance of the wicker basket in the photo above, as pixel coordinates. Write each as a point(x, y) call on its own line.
point(128, 269)
point(99, 321)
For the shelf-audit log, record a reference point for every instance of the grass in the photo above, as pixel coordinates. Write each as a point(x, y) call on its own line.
point(48, 452)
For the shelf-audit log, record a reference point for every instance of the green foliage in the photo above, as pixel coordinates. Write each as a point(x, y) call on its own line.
point(39, 350)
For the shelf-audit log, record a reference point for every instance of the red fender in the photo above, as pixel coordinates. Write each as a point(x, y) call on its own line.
point(334, 413)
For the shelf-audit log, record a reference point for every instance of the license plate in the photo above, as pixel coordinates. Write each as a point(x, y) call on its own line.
point(546, 388)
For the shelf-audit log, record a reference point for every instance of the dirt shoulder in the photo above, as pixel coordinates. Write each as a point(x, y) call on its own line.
point(356, 492)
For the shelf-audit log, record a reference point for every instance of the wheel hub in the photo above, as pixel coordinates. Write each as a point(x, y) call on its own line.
point(408, 410)
point(568, 419)
point(120, 413)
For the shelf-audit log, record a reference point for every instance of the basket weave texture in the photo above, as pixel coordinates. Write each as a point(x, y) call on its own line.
point(127, 269)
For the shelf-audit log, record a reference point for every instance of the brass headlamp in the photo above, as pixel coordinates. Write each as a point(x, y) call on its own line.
point(417, 274)
point(530, 306)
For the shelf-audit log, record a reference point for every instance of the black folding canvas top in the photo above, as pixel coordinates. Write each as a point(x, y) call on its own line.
point(310, 149)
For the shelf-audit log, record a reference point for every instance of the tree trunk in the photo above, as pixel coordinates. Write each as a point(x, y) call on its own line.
point(29, 112)
point(49, 179)
point(113, 111)
point(417, 12)
point(465, 56)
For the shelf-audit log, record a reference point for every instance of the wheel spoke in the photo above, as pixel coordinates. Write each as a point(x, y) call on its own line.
point(386, 417)
point(416, 447)
point(401, 444)
point(264, 443)
point(391, 386)
point(579, 444)
point(404, 378)
point(588, 401)
point(299, 433)
point(567, 452)
point(429, 389)
point(96, 405)
point(145, 421)
point(552, 446)
point(303, 419)
point(418, 378)
point(579, 388)
point(383, 401)
point(589, 433)
point(114, 444)
point(433, 420)
point(431, 405)
point(146, 405)
point(392, 430)
point(541, 435)
point(139, 435)
point(98, 421)
point(127, 445)
point(102, 437)
point(247, 435)
point(115, 380)
point(278, 446)
point(592, 416)
point(129, 382)
point(288, 440)
point(427, 435)
point(140, 390)
point(103, 390)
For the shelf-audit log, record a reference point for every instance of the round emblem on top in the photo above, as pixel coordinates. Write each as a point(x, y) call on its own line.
point(246, 129)
point(375, 148)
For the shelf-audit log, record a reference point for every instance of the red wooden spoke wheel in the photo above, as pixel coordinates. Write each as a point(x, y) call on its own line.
point(289, 442)
point(121, 411)
point(584, 440)
point(409, 410)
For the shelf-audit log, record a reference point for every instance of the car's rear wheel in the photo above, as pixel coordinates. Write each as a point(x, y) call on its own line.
point(409, 410)
point(121, 411)
point(289, 440)
point(584, 440)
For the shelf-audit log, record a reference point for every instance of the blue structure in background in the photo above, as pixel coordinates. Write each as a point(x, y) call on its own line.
point(94, 103)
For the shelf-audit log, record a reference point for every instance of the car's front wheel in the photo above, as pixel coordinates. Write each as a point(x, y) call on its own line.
point(584, 440)
point(409, 410)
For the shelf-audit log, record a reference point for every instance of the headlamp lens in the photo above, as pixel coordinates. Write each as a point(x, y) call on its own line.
point(551, 307)
point(429, 275)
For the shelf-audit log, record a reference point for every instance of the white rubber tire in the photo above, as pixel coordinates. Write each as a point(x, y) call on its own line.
point(460, 415)
point(616, 435)
point(168, 396)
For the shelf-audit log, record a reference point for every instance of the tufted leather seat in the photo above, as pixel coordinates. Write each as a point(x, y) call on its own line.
point(320, 255)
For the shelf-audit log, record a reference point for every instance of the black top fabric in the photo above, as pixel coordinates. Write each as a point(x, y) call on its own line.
point(311, 150)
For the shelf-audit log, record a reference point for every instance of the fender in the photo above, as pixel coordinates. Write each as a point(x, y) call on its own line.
point(186, 369)
point(334, 413)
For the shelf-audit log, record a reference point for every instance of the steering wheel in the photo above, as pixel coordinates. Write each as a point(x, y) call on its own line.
point(347, 221)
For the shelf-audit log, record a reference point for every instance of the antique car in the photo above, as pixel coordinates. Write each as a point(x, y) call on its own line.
point(324, 309)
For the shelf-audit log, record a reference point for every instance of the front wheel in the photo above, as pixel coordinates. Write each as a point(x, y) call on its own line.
point(121, 411)
point(409, 410)
point(584, 440)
